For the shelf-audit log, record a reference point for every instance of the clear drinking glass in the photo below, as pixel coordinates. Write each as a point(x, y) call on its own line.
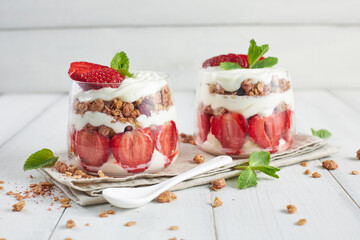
point(125, 128)
point(244, 110)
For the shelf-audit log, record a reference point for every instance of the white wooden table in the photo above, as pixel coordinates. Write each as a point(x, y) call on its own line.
point(330, 203)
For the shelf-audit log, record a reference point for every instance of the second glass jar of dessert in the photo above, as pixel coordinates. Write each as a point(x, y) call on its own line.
point(240, 111)
point(123, 128)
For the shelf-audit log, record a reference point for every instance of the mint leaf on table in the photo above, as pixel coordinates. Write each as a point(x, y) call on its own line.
point(120, 63)
point(266, 62)
point(322, 133)
point(257, 161)
point(230, 65)
point(247, 178)
point(40, 159)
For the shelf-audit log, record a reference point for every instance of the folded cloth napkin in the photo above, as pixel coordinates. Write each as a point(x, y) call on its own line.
point(88, 191)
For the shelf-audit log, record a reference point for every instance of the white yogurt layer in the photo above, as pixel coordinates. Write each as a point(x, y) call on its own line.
point(97, 119)
point(245, 105)
point(231, 80)
point(142, 84)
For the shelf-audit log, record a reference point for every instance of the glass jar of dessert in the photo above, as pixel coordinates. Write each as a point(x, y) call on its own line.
point(120, 122)
point(244, 104)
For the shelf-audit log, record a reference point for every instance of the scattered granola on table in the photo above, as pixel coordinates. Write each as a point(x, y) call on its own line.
point(129, 224)
point(301, 222)
point(358, 154)
point(103, 214)
point(218, 184)
point(198, 158)
point(307, 172)
point(291, 208)
point(217, 202)
point(18, 207)
point(70, 223)
point(304, 164)
point(355, 172)
point(166, 196)
point(316, 175)
point(329, 164)
point(112, 212)
point(172, 228)
point(187, 138)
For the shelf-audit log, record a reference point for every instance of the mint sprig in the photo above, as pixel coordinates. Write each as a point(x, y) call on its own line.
point(266, 62)
point(120, 63)
point(321, 133)
point(230, 65)
point(258, 161)
point(40, 159)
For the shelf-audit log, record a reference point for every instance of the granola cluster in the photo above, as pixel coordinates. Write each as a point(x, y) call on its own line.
point(73, 171)
point(166, 197)
point(187, 138)
point(125, 111)
point(248, 88)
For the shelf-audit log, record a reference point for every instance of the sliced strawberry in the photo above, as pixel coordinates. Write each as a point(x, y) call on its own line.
point(167, 141)
point(257, 131)
point(288, 125)
point(100, 76)
point(230, 129)
point(241, 59)
point(133, 149)
point(93, 148)
point(267, 132)
point(203, 121)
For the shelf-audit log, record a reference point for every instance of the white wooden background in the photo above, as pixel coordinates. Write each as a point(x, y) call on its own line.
point(316, 39)
point(330, 203)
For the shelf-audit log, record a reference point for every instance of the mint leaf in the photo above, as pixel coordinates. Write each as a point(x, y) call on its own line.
point(120, 63)
point(269, 170)
point(259, 158)
point(40, 159)
point(322, 133)
point(256, 52)
point(230, 65)
point(247, 178)
point(266, 62)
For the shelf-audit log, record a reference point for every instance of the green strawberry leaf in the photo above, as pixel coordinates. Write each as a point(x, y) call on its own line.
point(266, 62)
point(322, 133)
point(269, 170)
point(40, 159)
point(230, 65)
point(256, 52)
point(120, 63)
point(259, 158)
point(247, 178)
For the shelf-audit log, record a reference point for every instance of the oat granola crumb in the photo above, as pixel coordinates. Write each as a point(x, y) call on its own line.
point(68, 238)
point(198, 158)
point(49, 209)
point(129, 224)
point(355, 172)
point(68, 173)
point(31, 176)
point(174, 238)
point(329, 164)
point(101, 174)
point(291, 208)
point(87, 224)
point(18, 207)
point(103, 214)
point(307, 172)
point(166, 196)
point(112, 212)
point(217, 202)
point(304, 164)
point(66, 205)
point(56, 198)
point(1, 187)
point(358, 154)
point(172, 228)
point(187, 138)
point(65, 200)
point(218, 184)
point(61, 167)
point(1, 182)
point(9, 193)
point(316, 175)
point(70, 223)
point(301, 222)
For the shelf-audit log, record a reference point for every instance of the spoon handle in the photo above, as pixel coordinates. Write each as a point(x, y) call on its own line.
point(204, 167)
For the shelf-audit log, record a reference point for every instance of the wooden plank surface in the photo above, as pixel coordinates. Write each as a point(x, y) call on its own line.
point(49, 13)
point(178, 52)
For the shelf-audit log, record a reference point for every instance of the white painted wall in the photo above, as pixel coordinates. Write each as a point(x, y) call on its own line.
point(316, 39)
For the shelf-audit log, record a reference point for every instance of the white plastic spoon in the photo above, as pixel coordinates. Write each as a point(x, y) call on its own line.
point(136, 197)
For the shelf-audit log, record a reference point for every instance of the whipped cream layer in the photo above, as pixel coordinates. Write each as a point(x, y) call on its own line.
point(231, 80)
point(97, 119)
point(113, 168)
point(245, 105)
point(142, 84)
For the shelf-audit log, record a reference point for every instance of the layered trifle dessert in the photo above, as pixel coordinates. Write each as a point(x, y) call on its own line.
point(121, 122)
point(244, 104)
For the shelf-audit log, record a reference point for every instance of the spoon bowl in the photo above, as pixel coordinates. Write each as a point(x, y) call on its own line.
point(136, 197)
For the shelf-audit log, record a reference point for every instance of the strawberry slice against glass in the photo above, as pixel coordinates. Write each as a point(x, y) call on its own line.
point(203, 121)
point(230, 129)
point(133, 149)
point(167, 141)
point(92, 148)
point(288, 124)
